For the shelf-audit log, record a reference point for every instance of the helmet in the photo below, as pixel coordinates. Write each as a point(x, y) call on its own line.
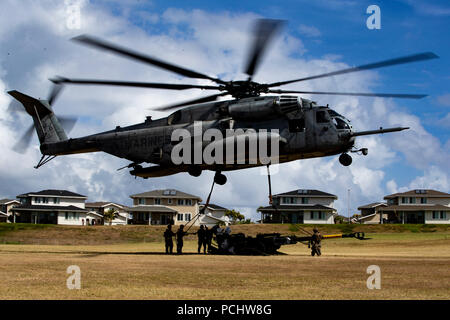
point(315, 230)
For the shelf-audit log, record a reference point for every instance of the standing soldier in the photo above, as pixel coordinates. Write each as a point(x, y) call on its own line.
point(208, 237)
point(201, 234)
point(168, 234)
point(315, 242)
point(180, 234)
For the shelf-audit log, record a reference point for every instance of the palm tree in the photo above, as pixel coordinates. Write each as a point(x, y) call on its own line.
point(110, 214)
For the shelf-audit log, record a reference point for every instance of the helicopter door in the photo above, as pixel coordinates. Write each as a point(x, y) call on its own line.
point(297, 129)
point(323, 126)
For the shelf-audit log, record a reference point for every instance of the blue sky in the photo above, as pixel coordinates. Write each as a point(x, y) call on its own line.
point(212, 37)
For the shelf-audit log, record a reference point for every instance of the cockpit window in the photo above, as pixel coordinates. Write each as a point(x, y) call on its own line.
point(340, 124)
point(174, 118)
point(321, 117)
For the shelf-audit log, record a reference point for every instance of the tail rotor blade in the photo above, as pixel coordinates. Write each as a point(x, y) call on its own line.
point(22, 144)
point(67, 123)
point(54, 93)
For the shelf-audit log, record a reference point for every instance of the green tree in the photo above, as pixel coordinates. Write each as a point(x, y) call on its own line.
point(234, 215)
point(109, 215)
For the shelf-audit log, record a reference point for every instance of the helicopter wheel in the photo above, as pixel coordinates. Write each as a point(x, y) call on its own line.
point(195, 171)
point(220, 178)
point(345, 159)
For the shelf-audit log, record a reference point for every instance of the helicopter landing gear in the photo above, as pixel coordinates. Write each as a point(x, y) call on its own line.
point(219, 178)
point(345, 159)
point(195, 171)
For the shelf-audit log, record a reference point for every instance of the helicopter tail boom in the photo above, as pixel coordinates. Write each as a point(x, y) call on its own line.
point(46, 124)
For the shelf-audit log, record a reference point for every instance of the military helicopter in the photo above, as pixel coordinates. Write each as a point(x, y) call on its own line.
point(306, 129)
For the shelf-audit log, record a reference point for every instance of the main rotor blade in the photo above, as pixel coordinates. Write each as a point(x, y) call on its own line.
point(384, 95)
point(134, 84)
point(381, 64)
point(101, 44)
point(263, 32)
point(67, 122)
point(22, 144)
point(186, 103)
point(54, 93)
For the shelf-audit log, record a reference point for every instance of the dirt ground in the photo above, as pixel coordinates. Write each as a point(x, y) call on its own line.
point(413, 266)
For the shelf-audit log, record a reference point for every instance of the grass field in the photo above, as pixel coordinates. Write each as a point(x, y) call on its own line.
point(414, 263)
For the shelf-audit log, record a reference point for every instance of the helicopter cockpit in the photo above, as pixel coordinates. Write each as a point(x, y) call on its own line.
point(341, 122)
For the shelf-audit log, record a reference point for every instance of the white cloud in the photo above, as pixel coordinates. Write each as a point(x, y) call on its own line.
point(309, 31)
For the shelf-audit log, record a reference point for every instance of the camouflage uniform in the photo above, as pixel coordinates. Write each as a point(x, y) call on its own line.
point(315, 243)
point(180, 234)
point(168, 234)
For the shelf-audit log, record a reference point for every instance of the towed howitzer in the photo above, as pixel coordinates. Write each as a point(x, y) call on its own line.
point(267, 243)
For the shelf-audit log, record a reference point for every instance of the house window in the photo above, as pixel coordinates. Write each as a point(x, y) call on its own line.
point(391, 201)
point(423, 200)
point(187, 216)
point(443, 215)
point(180, 217)
point(44, 200)
point(37, 200)
point(169, 201)
point(157, 201)
point(404, 200)
point(305, 200)
point(141, 201)
point(412, 200)
point(188, 202)
point(67, 216)
point(56, 200)
point(180, 202)
point(321, 215)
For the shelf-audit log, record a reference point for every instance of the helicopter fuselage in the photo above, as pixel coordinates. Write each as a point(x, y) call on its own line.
point(305, 131)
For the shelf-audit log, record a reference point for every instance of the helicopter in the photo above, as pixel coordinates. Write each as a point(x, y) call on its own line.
point(303, 128)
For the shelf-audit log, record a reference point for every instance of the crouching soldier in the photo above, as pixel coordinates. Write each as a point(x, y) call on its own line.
point(168, 234)
point(315, 242)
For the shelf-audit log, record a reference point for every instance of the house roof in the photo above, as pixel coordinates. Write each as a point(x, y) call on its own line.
point(101, 204)
point(214, 206)
point(165, 193)
point(53, 193)
point(3, 214)
point(372, 205)
point(420, 193)
point(365, 217)
point(152, 208)
point(306, 192)
point(47, 208)
point(296, 208)
point(415, 207)
point(7, 201)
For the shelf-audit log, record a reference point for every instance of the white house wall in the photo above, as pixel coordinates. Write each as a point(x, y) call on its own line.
point(307, 218)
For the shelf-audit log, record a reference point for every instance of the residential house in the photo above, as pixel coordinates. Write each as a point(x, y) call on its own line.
point(414, 206)
point(53, 207)
point(121, 217)
point(164, 207)
point(6, 215)
point(300, 206)
point(213, 215)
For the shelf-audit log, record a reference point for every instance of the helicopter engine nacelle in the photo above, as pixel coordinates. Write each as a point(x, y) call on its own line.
point(263, 108)
point(253, 109)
